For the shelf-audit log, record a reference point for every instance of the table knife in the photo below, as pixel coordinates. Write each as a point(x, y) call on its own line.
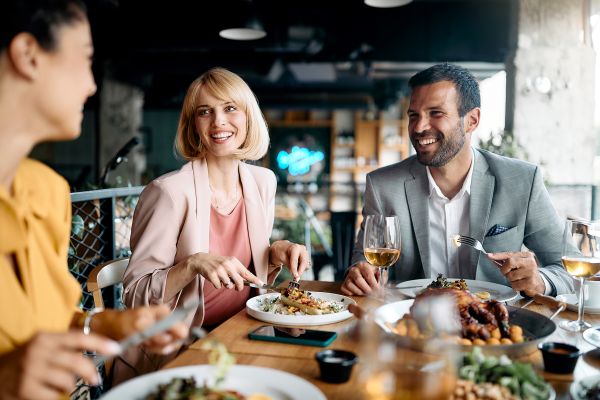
point(164, 324)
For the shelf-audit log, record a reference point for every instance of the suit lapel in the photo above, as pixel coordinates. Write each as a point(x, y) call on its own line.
point(417, 195)
point(482, 192)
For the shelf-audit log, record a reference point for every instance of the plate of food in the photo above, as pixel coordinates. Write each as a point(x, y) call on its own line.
point(299, 307)
point(241, 382)
point(490, 377)
point(482, 289)
point(586, 389)
point(496, 327)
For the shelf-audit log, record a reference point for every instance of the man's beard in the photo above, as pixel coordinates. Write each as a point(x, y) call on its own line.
point(449, 148)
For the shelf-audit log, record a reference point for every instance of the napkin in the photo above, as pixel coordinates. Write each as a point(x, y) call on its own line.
point(496, 230)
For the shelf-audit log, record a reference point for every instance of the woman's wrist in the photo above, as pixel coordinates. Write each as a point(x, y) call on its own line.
point(84, 320)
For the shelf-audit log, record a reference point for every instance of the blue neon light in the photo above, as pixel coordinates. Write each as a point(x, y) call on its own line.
point(299, 160)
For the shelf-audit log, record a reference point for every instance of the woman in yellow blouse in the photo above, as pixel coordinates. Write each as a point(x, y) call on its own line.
point(45, 78)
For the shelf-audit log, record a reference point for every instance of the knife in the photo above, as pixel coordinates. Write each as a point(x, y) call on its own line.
point(265, 286)
point(164, 324)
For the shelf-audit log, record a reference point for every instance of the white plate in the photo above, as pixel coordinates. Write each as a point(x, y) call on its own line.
point(572, 301)
point(592, 336)
point(253, 309)
point(577, 387)
point(392, 312)
point(245, 379)
point(496, 291)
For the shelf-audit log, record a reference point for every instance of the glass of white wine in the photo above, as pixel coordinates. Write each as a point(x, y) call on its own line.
point(381, 244)
point(581, 258)
point(424, 368)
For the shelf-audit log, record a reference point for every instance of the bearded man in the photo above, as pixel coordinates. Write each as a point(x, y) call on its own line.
point(450, 188)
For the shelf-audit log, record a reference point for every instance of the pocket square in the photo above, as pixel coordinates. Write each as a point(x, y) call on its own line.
point(496, 230)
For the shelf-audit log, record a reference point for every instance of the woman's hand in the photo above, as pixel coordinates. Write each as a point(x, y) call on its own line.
point(47, 366)
point(221, 270)
point(121, 324)
point(295, 256)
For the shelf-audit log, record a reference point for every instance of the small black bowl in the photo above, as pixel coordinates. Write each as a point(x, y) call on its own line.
point(336, 365)
point(559, 358)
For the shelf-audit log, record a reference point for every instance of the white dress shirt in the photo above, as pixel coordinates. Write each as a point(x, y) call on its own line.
point(447, 218)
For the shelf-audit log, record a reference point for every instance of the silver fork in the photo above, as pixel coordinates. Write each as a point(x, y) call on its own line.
point(476, 244)
point(294, 284)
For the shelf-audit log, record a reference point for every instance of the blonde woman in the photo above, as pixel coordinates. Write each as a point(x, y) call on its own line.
point(199, 232)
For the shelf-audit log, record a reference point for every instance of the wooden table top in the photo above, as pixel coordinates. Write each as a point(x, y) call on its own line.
point(299, 360)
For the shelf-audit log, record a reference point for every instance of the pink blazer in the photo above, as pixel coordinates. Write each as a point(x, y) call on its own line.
point(171, 222)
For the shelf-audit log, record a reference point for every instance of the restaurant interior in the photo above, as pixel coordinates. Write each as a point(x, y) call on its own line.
point(331, 78)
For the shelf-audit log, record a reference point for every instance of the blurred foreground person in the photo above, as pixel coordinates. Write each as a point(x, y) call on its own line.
point(45, 79)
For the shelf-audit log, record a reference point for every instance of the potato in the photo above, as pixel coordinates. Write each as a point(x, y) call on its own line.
point(401, 328)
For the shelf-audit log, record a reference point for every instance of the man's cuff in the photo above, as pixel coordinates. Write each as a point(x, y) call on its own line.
point(549, 289)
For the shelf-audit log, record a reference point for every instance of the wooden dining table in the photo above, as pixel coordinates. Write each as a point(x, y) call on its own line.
point(300, 360)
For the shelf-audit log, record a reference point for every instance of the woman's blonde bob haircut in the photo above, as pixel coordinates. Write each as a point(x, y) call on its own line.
point(225, 86)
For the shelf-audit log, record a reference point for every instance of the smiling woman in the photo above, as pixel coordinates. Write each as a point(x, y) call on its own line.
point(202, 231)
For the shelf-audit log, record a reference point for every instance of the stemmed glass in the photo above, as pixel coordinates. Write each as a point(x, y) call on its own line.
point(381, 243)
point(424, 369)
point(581, 258)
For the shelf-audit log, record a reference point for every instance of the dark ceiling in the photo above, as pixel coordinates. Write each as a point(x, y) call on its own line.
point(316, 52)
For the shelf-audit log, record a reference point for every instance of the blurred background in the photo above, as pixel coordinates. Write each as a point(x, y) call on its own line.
point(331, 78)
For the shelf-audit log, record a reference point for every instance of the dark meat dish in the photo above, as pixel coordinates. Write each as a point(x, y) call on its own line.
point(478, 319)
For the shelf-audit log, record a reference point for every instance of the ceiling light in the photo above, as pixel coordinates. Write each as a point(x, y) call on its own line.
point(387, 3)
point(251, 30)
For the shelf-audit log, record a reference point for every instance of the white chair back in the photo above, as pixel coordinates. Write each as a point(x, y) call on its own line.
point(104, 275)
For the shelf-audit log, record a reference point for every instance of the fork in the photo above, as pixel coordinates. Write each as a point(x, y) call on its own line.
point(476, 244)
point(294, 284)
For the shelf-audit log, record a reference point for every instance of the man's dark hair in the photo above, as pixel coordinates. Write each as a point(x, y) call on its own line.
point(40, 18)
point(464, 82)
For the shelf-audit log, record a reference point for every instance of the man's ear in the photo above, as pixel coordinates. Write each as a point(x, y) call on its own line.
point(472, 120)
point(23, 53)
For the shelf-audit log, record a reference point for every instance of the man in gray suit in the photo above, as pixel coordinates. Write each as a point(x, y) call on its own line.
point(450, 188)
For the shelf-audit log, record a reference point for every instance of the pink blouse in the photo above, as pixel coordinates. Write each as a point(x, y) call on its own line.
point(228, 236)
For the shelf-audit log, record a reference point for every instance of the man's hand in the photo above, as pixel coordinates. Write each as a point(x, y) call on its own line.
point(521, 270)
point(361, 280)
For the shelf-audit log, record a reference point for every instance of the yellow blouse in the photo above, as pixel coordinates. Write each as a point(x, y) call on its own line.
point(35, 226)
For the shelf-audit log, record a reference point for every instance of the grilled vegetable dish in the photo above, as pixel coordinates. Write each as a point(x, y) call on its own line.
point(186, 389)
point(301, 302)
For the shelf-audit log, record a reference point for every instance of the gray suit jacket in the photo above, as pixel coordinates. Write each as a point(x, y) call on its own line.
point(504, 191)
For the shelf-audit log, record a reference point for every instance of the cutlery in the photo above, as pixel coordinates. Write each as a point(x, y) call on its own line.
point(294, 284)
point(550, 302)
point(178, 315)
point(265, 286)
point(472, 242)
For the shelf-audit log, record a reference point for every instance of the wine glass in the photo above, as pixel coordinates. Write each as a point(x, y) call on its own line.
point(381, 243)
point(581, 258)
point(393, 368)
